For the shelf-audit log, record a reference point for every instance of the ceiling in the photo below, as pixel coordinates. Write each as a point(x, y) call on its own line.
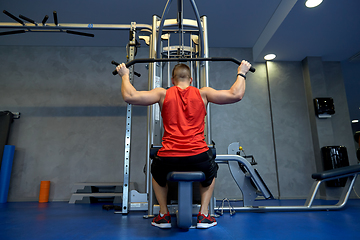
point(284, 27)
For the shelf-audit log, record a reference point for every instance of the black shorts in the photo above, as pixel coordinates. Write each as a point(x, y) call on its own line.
point(203, 162)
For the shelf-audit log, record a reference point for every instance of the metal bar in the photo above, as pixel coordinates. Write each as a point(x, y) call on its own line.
point(258, 182)
point(126, 189)
point(205, 83)
point(158, 40)
point(346, 194)
point(308, 206)
point(205, 77)
point(80, 33)
point(213, 59)
point(313, 191)
point(76, 26)
point(168, 64)
point(12, 32)
point(13, 17)
point(201, 34)
point(152, 71)
point(284, 208)
point(45, 20)
point(55, 18)
point(27, 19)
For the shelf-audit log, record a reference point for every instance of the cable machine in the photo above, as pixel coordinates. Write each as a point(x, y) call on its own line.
point(190, 45)
point(170, 40)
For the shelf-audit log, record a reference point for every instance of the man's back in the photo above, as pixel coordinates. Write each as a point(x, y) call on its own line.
point(183, 112)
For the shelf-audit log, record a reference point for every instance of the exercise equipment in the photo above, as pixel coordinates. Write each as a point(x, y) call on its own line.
point(44, 28)
point(6, 119)
point(6, 152)
point(251, 184)
point(152, 60)
point(357, 139)
point(5, 173)
point(185, 180)
point(192, 46)
point(70, 28)
point(158, 36)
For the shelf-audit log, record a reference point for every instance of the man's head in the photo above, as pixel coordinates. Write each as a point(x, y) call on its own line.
point(181, 73)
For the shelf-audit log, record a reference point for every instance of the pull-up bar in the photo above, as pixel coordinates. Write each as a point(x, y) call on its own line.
point(152, 60)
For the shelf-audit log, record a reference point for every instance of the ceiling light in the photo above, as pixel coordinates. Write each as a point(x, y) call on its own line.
point(355, 121)
point(313, 3)
point(270, 56)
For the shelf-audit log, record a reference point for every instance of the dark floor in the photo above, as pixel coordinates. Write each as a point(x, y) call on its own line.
point(59, 220)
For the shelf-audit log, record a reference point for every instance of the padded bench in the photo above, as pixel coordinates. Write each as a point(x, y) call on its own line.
point(351, 172)
point(337, 173)
point(185, 180)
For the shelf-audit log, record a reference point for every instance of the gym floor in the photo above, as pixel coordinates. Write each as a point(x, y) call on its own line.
point(60, 220)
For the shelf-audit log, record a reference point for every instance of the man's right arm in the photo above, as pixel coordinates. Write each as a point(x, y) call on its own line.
point(234, 94)
point(132, 96)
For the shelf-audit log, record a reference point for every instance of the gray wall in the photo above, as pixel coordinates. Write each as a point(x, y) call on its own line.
point(351, 73)
point(73, 120)
point(292, 133)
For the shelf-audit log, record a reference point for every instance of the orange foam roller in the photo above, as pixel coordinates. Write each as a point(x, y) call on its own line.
point(44, 191)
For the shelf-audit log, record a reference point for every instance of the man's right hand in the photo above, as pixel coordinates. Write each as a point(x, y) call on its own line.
point(122, 70)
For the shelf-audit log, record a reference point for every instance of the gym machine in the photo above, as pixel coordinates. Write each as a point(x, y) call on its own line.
point(192, 46)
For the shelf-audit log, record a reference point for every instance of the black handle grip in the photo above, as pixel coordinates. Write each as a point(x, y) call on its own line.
point(27, 19)
point(45, 19)
point(12, 32)
point(80, 33)
point(13, 17)
point(152, 60)
point(117, 64)
point(55, 18)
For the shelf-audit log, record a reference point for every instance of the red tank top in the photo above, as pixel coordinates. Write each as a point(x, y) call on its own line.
point(183, 114)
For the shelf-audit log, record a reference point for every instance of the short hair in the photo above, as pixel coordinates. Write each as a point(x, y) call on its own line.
point(181, 71)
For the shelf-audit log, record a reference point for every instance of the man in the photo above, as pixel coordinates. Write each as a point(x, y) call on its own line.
point(183, 109)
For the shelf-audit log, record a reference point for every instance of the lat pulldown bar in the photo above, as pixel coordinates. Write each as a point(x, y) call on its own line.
point(152, 60)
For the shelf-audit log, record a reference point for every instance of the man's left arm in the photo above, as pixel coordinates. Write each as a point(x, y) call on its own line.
point(232, 95)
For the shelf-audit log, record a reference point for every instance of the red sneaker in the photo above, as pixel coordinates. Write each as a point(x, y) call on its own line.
point(162, 222)
point(205, 222)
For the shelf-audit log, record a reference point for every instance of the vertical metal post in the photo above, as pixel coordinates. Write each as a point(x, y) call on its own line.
point(126, 183)
point(168, 65)
point(205, 83)
point(151, 114)
point(204, 78)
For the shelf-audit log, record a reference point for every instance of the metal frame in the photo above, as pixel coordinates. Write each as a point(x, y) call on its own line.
point(244, 181)
point(160, 27)
point(126, 183)
point(161, 31)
